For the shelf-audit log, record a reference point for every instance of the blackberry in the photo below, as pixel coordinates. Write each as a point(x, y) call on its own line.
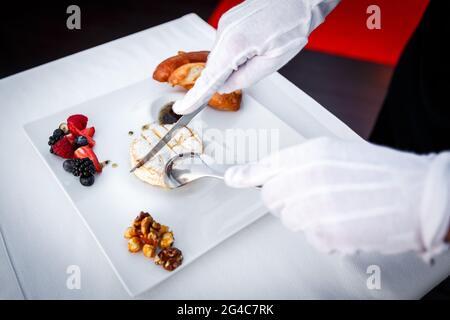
point(83, 167)
point(58, 133)
point(87, 181)
point(54, 138)
point(69, 164)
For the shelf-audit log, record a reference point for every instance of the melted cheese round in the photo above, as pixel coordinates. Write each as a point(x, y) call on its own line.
point(152, 172)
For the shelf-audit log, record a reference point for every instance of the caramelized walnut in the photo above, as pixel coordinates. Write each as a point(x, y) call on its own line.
point(152, 238)
point(130, 233)
point(145, 225)
point(156, 226)
point(149, 251)
point(163, 229)
point(140, 217)
point(167, 240)
point(134, 245)
point(169, 258)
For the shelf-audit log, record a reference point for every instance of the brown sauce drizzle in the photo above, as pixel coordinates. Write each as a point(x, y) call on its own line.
point(166, 114)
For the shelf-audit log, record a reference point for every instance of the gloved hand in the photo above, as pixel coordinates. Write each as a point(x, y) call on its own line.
point(254, 39)
point(351, 196)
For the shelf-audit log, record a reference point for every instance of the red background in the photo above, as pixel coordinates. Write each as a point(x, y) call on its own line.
point(345, 32)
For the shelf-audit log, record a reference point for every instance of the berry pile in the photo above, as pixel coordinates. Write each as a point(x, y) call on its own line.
point(83, 168)
point(74, 141)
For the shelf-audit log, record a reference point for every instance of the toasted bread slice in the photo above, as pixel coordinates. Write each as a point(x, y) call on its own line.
point(227, 101)
point(186, 75)
point(165, 68)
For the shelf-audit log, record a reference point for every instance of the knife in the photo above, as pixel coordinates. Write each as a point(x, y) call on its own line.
point(183, 121)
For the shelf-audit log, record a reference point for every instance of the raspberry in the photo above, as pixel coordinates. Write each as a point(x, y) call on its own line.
point(63, 148)
point(76, 123)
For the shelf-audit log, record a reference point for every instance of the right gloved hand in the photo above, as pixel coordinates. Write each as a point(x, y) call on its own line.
point(349, 196)
point(254, 39)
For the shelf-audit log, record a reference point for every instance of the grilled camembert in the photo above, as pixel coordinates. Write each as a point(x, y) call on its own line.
point(152, 172)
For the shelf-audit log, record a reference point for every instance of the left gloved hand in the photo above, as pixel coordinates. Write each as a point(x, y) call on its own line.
point(350, 196)
point(254, 39)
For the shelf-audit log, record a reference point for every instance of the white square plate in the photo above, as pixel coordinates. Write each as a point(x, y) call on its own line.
point(201, 215)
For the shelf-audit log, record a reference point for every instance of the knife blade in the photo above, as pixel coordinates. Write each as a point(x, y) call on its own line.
point(183, 121)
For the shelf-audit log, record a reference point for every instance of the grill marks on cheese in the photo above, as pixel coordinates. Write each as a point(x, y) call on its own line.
point(152, 172)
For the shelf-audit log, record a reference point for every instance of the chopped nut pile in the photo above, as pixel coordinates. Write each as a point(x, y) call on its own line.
point(149, 236)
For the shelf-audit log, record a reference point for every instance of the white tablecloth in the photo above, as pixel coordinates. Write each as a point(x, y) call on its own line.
point(9, 285)
point(45, 235)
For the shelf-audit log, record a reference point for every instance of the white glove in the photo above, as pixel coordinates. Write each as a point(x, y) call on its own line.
point(351, 196)
point(254, 39)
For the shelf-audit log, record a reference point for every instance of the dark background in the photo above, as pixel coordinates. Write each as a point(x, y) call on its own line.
point(35, 33)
